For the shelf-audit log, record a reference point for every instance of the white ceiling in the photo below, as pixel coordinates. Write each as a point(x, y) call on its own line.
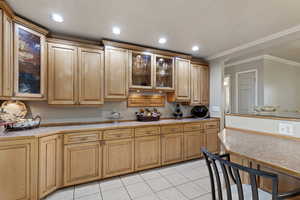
point(214, 25)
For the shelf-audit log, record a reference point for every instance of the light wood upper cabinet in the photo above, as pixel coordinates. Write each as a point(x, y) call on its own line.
point(6, 34)
point(18, 164)
point(204, 85)
point(164, 73)
point(116, 70)
point(147, 152)
point(82, 162)
point(29, 63)
point(62, 73)
point(182, 81)
point(91, 76)
point(172, 148)
point(118, 157)
point(50, 164)
point(141, 70)
point(195, 85)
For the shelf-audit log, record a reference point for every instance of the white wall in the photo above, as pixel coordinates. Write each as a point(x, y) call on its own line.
point(282, 85)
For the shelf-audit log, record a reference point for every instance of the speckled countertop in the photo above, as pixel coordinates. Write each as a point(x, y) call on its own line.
point(280, 153)
point(57, 129)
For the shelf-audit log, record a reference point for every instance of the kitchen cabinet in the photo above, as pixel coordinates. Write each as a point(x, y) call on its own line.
point(116, 70)
point(62, 73)
point(182, 81)
point(147, 152)
point(164, 73)
point(118, 157)
point(212, 140)
point(50, 164)
point(91, 76)
point(75, 75)
point(172, 148)
point(19, 167)
point(29, 63)
point(82, 162)
point(204, 85)
point(193, 141)
point(140, 70)
point(6, 55)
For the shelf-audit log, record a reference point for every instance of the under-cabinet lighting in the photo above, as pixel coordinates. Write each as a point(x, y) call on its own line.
point(57, 18)
point(116, 30)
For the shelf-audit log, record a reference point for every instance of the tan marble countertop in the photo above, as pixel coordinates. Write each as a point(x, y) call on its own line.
point(57, 129)
point(276, 152)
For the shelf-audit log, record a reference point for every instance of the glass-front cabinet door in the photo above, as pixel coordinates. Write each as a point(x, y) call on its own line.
point(164, 73)
point(29, 63)
point(140, 73)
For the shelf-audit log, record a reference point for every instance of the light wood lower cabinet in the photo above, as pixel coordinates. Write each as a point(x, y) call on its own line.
point(82, 162)
point(50, 164)
point(172, 148)
point(212, 140)
point(193, 141)
point(118, 157)
point(18, 174)
point(147, 152)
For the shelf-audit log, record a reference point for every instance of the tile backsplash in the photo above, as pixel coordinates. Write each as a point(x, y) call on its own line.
point(53, 114)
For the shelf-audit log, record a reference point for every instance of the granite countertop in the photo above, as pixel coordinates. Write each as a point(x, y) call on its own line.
point(277, 152)
point(57, 129)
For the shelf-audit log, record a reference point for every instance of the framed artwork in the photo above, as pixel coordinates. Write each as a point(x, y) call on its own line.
point(29, 61)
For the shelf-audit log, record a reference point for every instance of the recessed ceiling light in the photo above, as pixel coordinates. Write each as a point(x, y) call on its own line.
point(57, 18)
point(195, 48)
point(116, 30)
point(162, 40)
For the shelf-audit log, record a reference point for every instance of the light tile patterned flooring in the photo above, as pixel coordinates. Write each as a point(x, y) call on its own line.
point(184, 181)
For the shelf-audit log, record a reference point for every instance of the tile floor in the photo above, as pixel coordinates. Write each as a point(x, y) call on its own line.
point(184, 181)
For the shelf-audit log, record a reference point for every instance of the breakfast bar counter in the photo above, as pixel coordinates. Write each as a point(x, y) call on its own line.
point(275, 151)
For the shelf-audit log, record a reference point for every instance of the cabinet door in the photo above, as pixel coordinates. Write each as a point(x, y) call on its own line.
point(116, 66)
point(50, 164)
point(91, 76)
point(195, 85)
point(82, 163)
point(1, 53)
point(164, 73)
point(147, 152)
point(183, 82)
point(18, 170)
point(212, 140)
point(204, 85)
point(118, 157)
point(172, 148)
point(62, 74)
point(193, 141)
point(30, 72)
point(7, 59)
point(140, 70)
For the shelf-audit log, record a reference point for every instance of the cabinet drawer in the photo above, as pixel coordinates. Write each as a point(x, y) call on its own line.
point(146, 131)
point(211, 125)
point(82, 137)
point(193, 127)
point(212, 131)
point(171, 129)
point(117, 134)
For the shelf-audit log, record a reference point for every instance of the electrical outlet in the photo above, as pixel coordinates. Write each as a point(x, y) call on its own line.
point(286, 128)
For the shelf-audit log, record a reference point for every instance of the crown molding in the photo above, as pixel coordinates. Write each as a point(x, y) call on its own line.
point(263, 40)
point(265, 57)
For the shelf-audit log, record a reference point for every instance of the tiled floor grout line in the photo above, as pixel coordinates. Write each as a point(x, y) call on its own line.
point(125, 188)
point(100, 190)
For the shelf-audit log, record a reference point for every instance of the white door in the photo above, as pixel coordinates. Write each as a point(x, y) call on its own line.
point(246, 91)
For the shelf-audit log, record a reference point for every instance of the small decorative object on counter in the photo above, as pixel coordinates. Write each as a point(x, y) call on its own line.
point(12, 117)
point(200, 112)
point(148, 115)
point(115, 116)
point(178, 114)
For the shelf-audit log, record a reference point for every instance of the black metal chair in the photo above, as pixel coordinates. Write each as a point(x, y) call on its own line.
point(234, 188)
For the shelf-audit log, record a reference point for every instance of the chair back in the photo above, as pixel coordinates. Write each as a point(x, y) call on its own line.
point(231, 174)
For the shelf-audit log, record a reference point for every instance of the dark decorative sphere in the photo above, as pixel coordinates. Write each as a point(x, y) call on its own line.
point(199, 111)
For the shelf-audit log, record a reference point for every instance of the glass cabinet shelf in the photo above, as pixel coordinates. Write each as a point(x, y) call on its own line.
point(164, 72)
